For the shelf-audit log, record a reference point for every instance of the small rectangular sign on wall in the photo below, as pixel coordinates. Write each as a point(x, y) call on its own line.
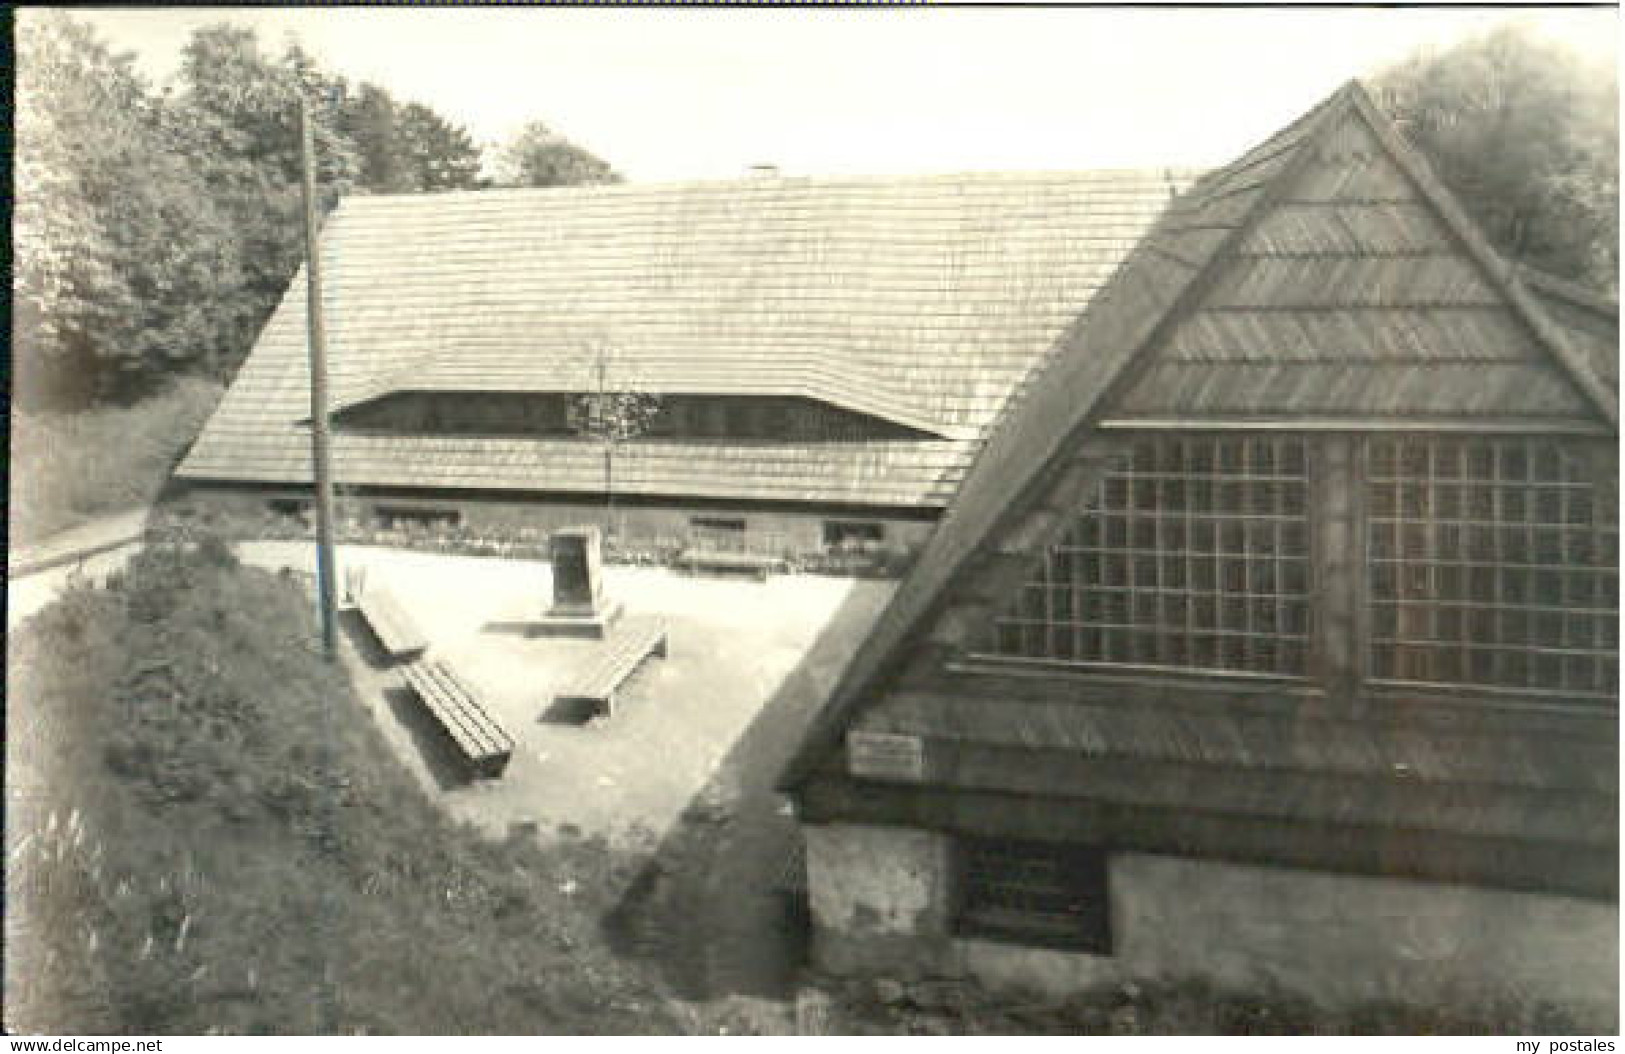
point(885, 755)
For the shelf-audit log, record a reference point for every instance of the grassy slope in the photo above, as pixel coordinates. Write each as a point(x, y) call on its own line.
point(71, 467)
point(206, 834)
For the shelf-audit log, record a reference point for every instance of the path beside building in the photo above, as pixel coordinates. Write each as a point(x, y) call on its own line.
point(36, 574)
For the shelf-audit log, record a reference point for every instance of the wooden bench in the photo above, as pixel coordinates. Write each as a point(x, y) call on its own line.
point(630, 642)
point(729, 561)
point(394, 628)
point(485, 745)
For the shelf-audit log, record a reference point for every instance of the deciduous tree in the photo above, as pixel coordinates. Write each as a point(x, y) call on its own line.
point(236, 116)
point(405, 148)
point(372, 122)
point(615, 408)
point(155, 231)
point(438, 154)
point(1527, 135)
point(119, 252)
point(540, 157)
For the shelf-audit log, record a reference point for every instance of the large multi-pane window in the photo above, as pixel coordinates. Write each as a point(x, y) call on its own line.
point(1195, 556)
point(1490, 561)
point(1493, 562)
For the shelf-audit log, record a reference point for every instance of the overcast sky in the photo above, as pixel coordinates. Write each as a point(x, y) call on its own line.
point(708, 92)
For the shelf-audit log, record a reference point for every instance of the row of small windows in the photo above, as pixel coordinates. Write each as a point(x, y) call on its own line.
point(1513, 460)
point(1235, 497)
point(1241, 457)
point(1229, 612)
point(1507, 544)
point(1490, 561)
point(727, 531)
point(1190, 570)
point(716, 417)
point(1177, 537)
point(1465, 503)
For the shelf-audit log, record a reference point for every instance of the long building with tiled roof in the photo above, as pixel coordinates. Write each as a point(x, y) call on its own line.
point(820, 346)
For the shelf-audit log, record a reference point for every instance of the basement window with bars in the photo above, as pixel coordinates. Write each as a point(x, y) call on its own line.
point(416, 517)
point(1033, 893)
point(853, 533)
point(1195, 556)
point(1494, 562)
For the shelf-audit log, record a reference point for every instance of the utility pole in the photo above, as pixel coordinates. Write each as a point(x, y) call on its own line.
point(605, 417)
point(320, 453)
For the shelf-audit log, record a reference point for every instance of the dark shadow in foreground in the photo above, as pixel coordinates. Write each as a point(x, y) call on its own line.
point(440, 757)
point(716, 906)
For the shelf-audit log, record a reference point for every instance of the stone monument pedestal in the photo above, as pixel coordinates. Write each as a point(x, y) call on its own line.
point(580, 608)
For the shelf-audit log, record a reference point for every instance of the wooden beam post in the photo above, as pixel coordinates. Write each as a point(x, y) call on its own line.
point(317, 343)
point(1338, 554)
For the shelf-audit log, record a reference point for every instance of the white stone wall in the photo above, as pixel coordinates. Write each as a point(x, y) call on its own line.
point(1350, 938)
point(881, 899)
point(877, 880)
point(801, 531)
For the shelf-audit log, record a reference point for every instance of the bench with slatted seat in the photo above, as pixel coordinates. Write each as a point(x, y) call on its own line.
point(631, 641)
point(483, 743)
point(391, 625)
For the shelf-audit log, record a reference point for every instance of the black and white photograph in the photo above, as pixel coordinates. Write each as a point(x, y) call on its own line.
point(667, 521)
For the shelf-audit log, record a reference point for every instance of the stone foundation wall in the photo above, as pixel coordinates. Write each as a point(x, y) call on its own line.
point(879, 898)
point(881, 903)
point(798, 532)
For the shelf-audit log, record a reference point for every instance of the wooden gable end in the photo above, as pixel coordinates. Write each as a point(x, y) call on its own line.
point(1280, 766)
point(1352, 298)
point(1316, 280)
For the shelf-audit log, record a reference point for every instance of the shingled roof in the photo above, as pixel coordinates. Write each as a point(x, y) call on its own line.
point(1323, 278)
point(922, 301)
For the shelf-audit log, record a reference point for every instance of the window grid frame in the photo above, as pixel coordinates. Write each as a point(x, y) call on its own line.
point(1515, 503)
point(1227, 533)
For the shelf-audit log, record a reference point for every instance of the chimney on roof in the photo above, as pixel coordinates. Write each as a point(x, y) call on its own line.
point(764, 171)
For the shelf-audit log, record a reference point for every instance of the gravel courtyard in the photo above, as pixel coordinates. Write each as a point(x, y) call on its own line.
point(734, 644)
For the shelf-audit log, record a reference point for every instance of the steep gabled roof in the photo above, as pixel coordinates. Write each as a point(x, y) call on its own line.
point(1363, 294)
point(1367, 228)
point(920, 300)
